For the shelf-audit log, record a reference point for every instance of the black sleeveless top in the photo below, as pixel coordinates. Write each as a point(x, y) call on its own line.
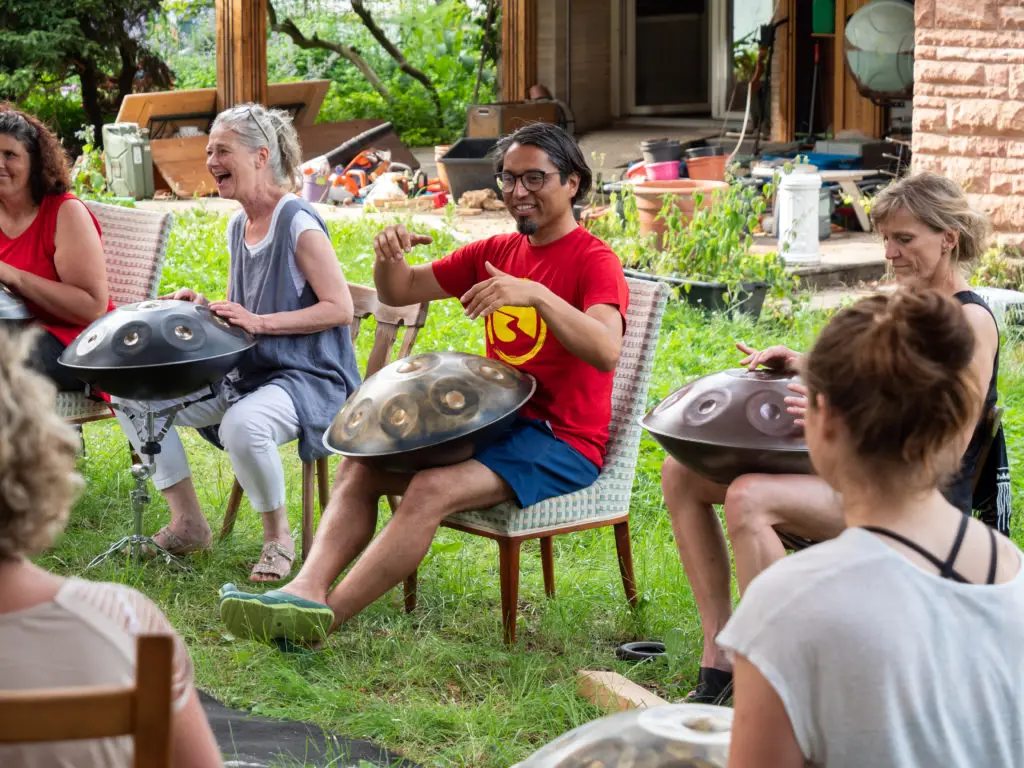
point(993, 491)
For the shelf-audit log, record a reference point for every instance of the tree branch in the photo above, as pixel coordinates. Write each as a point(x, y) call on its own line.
point(405, 66)
point(288, 27)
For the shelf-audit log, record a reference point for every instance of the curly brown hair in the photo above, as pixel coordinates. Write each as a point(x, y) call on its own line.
point(38, 450)
point(50, 173)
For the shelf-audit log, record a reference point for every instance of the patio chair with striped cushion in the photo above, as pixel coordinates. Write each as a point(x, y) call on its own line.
point(604, 503)
point(134, 244)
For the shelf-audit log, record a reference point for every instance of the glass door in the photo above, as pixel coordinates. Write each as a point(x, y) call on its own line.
point(733, 23)
point(667, 57)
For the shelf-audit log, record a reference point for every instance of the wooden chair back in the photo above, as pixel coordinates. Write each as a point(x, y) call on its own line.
point(142, 711)
point(390, 320)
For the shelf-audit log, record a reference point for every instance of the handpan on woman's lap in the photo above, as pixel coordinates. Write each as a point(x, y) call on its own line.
point(286, 288)
point(553, 299)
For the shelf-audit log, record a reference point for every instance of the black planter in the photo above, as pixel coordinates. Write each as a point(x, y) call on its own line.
point(713, 297)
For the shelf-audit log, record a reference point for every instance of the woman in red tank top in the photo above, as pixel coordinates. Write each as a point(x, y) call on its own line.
point(50, 249)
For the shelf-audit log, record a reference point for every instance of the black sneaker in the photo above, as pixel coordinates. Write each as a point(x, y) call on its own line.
point(714, 686)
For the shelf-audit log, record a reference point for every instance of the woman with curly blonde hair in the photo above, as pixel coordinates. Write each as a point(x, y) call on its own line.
point(57, 632)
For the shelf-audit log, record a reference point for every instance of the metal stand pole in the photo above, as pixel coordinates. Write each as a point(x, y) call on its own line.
point(140, 494)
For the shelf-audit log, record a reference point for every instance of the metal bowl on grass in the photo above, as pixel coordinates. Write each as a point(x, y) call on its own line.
point(429, 410)
point(732, 423)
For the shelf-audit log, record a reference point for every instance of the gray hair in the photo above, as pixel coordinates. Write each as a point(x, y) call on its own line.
point(257, 127)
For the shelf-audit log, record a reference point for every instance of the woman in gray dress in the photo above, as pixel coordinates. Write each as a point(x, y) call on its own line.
point(287, 289)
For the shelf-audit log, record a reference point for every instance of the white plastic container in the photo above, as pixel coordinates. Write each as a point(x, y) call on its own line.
point(798, 206)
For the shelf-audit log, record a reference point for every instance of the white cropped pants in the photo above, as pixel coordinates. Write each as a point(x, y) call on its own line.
point(251, 429)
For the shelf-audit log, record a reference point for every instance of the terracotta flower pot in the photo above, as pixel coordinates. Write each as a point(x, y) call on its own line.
point(650, 197)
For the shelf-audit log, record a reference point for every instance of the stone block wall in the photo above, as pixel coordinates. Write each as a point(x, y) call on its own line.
point(969, 103)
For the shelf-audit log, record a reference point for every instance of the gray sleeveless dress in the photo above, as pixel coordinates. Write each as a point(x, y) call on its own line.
point(318, 370)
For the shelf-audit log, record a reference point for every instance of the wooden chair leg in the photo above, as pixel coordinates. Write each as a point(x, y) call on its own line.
point(625, 551)
point(323, 482)
point(508, 560)
point(410, 592)
point(308, 468)
point(547, 561)
point(234, 502)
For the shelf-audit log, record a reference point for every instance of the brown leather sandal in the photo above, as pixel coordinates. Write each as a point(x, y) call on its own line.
point(275, 561)
point(174, 544)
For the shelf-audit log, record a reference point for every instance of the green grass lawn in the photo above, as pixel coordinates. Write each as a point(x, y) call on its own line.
point(438, 685)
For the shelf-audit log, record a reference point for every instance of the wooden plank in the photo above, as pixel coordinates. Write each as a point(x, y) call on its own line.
point(518, 48)
point(851, 111)
point(311, 93)
point(182, 163)
point(614, 693)
point(141, 107)
point(241, 52)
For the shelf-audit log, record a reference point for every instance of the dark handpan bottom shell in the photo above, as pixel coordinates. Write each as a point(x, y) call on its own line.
point(722, 463)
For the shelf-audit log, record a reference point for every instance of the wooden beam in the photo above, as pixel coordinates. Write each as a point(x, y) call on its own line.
point(612, 692)
point(241, 52)
point(518, 48)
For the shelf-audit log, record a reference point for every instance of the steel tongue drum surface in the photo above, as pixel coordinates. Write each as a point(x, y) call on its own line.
point(12, 309)
point(732, 423)
point(429, 410)
point(156, 350)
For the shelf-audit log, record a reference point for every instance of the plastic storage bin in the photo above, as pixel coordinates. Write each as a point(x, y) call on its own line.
point(469, 166)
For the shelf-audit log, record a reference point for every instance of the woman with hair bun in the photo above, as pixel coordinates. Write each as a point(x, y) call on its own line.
point(50, 249)
point(895, 644)
point(286, 288)
point(931, 237)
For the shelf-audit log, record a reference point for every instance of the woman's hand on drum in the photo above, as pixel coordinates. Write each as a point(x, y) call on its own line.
point(797, 406)
point(777, 358)
point(395, 241)
point(187, 294)
point(238, 315)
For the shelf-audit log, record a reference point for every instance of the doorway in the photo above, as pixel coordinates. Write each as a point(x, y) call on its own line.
point(667, 57)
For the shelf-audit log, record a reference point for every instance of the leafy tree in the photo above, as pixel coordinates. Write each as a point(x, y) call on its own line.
point(98, 41)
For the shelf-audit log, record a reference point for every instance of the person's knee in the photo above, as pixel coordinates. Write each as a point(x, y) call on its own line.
point(429, 495)
point(746, 501)
point(240, 434)
point(680, 484)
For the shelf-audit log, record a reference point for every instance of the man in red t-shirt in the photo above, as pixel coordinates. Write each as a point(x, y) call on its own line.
point(553, 299)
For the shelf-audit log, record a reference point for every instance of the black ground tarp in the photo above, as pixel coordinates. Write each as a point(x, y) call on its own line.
point(251, 741)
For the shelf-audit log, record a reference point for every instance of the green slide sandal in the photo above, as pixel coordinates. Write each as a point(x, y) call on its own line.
point(274, 615)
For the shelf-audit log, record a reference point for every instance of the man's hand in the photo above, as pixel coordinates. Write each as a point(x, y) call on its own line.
point(500, 290)
point(395, 241)
point(187, 294)
point(238, 315)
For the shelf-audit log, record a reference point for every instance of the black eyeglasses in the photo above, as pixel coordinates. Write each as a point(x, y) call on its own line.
point(533, 180)
point(258, 124)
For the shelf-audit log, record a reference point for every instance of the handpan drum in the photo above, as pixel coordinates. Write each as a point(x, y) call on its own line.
point(732, 423)
point(670, 736)
point(429, 410)
point(156, 350)
point(12, 309)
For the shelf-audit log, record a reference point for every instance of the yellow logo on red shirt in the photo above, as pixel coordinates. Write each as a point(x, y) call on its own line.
point(516, 334)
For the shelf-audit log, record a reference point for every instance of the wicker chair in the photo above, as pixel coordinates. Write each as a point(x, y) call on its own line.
point(134, 244)
point(604, 503)
point(390, 321)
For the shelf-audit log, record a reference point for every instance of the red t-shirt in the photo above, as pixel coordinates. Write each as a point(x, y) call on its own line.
point(33, 251)
point(572, 396)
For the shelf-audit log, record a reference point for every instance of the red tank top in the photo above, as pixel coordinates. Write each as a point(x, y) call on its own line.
point(33, 250)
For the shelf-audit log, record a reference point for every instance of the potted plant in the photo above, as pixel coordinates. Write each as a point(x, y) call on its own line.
point(710, 260)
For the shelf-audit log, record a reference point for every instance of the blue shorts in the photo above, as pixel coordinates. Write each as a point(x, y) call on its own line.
point(535, 463)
